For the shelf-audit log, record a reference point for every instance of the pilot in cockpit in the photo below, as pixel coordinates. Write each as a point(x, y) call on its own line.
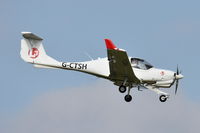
point(134, 63)
point(140, 64)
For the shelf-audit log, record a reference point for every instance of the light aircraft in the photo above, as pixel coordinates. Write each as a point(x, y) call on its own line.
point(125, 72)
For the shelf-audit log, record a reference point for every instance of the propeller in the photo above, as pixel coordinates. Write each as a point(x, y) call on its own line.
point(177, 76)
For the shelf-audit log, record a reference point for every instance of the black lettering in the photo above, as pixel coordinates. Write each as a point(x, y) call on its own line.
point(79, 66)
point(64, 64)
point(84, 66)
point(71, 65)
point(75, 65)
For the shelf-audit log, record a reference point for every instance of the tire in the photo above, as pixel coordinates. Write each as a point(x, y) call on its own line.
point(122, 89)
point(163, 98)
point(128, 98)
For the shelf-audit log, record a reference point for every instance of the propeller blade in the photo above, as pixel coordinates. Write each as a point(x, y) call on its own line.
point(177, 71)
point(176, 86)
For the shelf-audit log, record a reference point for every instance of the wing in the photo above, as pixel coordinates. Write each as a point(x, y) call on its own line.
point(120, 67)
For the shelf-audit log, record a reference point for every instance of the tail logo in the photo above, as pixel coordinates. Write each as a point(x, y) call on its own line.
point(33, 53)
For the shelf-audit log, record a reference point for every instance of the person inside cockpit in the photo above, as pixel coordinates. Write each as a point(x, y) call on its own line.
point(140, 64)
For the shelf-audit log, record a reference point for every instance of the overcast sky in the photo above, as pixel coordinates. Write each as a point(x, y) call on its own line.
point(165, 33)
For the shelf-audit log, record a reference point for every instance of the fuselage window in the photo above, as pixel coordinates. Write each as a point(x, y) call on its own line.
point(140, 64)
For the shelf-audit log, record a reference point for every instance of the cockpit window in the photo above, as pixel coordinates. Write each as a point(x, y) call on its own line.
point(140, 64)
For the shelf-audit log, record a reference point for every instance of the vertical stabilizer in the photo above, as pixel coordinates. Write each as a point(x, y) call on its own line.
point(32, 51)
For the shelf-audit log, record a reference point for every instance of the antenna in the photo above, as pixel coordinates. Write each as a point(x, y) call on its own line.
point(88, 55)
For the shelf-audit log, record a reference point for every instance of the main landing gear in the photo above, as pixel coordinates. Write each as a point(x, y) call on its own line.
point(163, 96)
point(128, 97)
point(122, 89)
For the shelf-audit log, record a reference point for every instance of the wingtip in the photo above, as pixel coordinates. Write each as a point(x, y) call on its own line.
point(109, 44)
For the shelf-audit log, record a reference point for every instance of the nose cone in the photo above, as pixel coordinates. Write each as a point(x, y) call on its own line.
point(180, 76)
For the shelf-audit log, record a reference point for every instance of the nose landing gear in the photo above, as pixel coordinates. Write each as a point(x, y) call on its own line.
point(163, 98)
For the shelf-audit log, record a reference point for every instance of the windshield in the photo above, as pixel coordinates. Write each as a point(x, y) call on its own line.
point(140, 64)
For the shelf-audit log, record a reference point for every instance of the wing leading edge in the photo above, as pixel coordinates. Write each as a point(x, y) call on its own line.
point(120, 67)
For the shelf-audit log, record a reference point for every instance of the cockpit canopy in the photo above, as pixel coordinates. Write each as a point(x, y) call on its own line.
point(140, 64)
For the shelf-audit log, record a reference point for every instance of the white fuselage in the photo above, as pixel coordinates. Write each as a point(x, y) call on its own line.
point(100, 68)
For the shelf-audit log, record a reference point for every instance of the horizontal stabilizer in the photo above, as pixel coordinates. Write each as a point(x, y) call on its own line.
point(29, 35)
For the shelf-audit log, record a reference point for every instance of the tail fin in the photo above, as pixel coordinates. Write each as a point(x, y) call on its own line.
point(32, 51)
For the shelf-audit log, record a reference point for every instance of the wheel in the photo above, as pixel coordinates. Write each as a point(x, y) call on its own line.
point(163, 98)
point(122, 89)
point(128, 98)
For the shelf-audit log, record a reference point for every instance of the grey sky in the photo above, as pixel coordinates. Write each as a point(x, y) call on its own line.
point(165, 33)
point(101, 109)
